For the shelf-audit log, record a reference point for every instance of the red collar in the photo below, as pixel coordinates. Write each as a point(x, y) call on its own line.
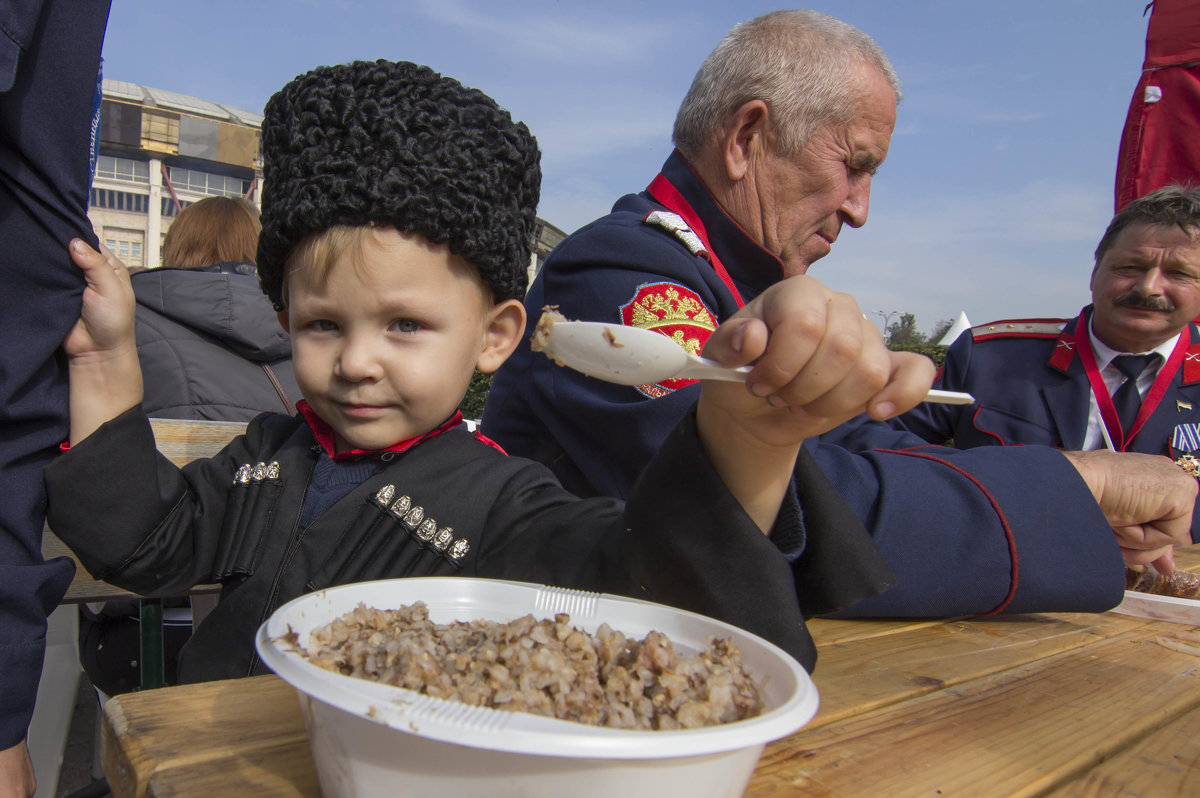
point(324, 434)
point(1121, 438)
point(665, 193)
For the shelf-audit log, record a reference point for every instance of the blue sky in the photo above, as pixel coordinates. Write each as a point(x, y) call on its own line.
point(998, 185)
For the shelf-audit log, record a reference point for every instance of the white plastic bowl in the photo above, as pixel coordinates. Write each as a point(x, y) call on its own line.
point(370, 739)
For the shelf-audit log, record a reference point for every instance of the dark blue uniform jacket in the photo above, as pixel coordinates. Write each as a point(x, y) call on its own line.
point(1024, 394)
point(965, 532)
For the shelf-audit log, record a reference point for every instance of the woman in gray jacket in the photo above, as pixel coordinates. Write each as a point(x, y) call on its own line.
point(208, 340)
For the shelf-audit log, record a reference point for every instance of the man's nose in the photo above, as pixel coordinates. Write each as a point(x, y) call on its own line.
point(1150, 283)
point(858, 201)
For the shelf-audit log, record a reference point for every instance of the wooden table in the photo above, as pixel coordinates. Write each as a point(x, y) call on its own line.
point(1053, 704)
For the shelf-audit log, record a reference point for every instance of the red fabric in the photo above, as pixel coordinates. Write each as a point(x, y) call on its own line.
point(666, 194)
point(1173, 35)
point(324, 434)
point(1158, 143)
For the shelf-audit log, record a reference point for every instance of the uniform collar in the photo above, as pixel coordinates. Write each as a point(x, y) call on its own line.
point(1105, 354)
point(324, 435)
point(753, 268)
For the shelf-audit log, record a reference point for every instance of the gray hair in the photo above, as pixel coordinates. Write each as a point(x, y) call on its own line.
point(1172, 205)
point(798, 62)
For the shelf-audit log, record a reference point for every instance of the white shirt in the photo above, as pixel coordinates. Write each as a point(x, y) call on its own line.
point(1113, 377)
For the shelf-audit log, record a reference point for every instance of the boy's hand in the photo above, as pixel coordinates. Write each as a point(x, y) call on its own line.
point(105, 375)
point(106, 319)
point(817, 363)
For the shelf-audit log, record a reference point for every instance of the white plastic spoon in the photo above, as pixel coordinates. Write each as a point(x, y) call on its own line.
point(635, 356)
point(627, 355)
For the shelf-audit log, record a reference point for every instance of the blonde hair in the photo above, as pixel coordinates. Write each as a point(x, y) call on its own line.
point(213, 230)
point(318, 253)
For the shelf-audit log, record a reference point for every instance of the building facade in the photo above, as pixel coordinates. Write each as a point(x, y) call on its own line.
point(160, 151)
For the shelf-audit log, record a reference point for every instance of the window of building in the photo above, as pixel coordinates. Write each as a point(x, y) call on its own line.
point(168, 206)
point(114, 168)
point(160, 130)
point(121, 123)
point(207, 183)
point(126, 245)
point(119, 200)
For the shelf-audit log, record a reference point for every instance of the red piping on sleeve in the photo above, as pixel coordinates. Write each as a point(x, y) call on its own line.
point(1012, 544)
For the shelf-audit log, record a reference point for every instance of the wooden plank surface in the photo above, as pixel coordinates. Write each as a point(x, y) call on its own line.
point(208, 733)
point(283, 771)
point(184, 441)
point(1062, 704)
point(83, 588)
point(1166, 762)
point(1018, 732)
point(872, 672)
point(1188, 558)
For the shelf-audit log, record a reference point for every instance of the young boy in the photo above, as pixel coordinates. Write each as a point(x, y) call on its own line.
point(398, 215)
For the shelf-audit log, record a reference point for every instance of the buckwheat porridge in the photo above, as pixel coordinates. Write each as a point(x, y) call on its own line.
point(546, 667)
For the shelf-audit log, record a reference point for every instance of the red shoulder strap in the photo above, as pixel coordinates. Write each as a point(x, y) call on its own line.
point(1191, 365)
point(1064, 351)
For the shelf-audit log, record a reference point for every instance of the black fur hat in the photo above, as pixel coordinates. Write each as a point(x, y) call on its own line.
point(396, 143)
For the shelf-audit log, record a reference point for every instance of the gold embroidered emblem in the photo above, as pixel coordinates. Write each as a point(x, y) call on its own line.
point(675, 311)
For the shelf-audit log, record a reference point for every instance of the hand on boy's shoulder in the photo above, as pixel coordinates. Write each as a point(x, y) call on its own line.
point(818, 362)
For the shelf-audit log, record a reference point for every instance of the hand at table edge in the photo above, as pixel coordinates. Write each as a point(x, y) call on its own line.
point(1146, 498)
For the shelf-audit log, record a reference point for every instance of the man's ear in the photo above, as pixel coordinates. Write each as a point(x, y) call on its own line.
point(506, 325)
point(284, 322)
point(745, 138)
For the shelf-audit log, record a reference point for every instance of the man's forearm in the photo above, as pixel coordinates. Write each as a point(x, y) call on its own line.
point(757, 474)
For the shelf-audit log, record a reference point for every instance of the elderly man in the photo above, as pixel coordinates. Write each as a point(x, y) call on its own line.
point(1123, 375)
point(777, 141)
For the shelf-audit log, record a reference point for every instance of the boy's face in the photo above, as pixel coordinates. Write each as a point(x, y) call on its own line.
point(383, 349)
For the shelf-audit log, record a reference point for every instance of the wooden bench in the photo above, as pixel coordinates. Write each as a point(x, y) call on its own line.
point(181, 442)
point(185, 441)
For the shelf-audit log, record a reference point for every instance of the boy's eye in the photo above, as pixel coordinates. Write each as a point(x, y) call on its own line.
point(406, 325)
point(322, 325)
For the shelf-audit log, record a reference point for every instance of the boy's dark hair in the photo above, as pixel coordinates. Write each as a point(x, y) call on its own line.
point(395, 143)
